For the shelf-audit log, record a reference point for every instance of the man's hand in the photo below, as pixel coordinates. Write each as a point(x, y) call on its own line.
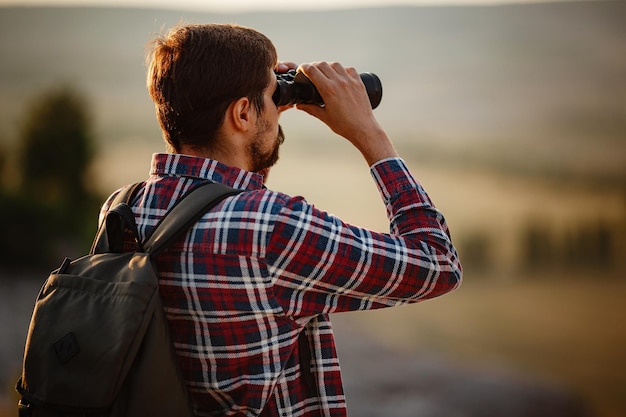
point(347, 109)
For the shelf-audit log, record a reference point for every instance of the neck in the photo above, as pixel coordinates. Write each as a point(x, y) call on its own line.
point(227, 152)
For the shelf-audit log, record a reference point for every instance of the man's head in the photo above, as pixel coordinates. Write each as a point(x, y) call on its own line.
point(197, 71)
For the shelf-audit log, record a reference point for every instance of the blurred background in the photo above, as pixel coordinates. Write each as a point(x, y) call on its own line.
point(512, 116)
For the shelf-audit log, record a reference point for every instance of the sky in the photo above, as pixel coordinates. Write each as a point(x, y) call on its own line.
point(251, 5)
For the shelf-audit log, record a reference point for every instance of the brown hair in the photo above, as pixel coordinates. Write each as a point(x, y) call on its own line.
point(196, 71)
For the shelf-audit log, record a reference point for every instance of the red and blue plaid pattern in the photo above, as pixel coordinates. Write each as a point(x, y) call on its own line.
point(263, 267)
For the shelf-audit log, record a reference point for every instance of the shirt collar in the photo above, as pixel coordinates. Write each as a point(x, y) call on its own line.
point(164, 164)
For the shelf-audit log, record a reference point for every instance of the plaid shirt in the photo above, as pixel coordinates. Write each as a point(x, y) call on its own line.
point(248, 290)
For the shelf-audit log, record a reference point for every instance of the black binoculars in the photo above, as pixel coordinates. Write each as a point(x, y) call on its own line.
point(294, 87)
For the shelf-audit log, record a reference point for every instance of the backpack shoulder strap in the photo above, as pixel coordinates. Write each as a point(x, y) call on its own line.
point(186, 212)
point(126, 194)
point(119, 206)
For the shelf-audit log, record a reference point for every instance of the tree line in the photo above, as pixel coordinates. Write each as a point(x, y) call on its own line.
point(594, 246)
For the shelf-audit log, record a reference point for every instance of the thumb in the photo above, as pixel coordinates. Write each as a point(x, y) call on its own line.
point(312, 109)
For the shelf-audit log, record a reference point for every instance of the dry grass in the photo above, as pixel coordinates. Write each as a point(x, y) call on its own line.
point(568, 331)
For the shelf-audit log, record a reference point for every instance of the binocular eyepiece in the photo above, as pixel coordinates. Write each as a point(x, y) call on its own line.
point(294, 87)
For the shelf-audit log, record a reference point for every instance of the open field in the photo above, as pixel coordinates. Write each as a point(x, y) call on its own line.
point(567, 331)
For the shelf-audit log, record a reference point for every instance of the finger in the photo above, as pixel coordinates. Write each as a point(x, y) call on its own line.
point(326, 69)
point(307, 69)
point(338, 68)
point(315, 70)
point(284, 108)
point(284, 66)
point(352, 72)
point(312, 109)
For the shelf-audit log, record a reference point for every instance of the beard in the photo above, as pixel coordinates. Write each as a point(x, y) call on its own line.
point(260, 160)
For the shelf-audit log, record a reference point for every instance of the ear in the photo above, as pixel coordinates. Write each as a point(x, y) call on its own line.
point(240, 115)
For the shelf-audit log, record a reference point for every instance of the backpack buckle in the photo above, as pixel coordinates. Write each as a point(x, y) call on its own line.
point(24, 409)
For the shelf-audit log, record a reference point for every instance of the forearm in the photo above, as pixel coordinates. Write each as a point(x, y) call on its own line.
point(378, 148)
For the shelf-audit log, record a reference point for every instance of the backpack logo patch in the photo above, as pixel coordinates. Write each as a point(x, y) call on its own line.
point(66, 347)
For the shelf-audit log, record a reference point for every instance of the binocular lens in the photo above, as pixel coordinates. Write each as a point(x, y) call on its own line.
point(374, 88)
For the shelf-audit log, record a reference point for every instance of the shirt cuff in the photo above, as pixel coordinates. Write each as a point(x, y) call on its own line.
point(393, 177)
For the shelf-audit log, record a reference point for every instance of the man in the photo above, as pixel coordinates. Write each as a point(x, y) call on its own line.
point(248, 290)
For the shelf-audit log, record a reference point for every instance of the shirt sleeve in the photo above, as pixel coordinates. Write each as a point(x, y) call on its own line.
point(322, 265)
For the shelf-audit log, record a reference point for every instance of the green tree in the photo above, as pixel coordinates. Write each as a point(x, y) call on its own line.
point(56, 148)
point(52, 213)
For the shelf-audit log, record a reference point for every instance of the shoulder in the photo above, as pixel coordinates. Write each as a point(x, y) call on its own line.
point(265, 201)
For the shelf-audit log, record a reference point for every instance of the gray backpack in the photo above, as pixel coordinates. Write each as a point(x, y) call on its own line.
point(98, 342)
